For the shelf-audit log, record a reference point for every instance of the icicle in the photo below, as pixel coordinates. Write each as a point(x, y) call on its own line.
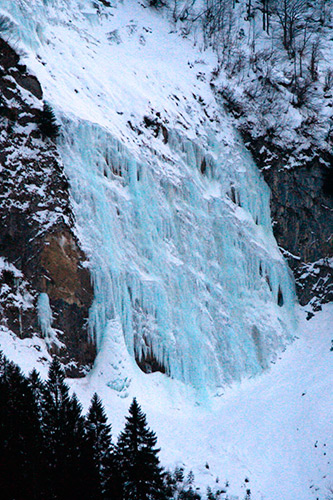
point(45, 319)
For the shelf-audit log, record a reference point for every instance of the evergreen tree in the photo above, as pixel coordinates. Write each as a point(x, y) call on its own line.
point(48, 123)
point(170, 485)
point(114, 478)
point(187, 492)
point(139, 466)
point(77, 477)
point(98, 436)
point(63, 438)
point(19, 436)
point(179, 474)
point(37, 387)
point(210, 494)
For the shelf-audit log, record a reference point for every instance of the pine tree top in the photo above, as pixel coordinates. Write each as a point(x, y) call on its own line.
point(96, 413)
point(97, 426)
point(136, 435)
point(56, 391)
point(35, 379)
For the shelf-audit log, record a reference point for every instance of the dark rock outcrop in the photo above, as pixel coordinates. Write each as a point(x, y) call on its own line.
point(302, 214)
point(39, 252)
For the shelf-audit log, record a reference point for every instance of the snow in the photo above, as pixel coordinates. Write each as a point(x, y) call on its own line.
point(18, 295)
point(274, 429)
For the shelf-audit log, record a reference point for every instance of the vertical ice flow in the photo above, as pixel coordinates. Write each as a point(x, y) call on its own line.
point(45, 319)
point(182, 253)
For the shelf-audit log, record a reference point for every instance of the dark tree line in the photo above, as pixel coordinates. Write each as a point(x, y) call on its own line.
point(49, 450)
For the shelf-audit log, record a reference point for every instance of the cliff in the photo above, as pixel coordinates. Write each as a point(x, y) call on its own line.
point(40, 254)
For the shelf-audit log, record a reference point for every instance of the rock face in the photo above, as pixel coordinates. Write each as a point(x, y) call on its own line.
point(39, 253)
point(302, 213)
point(67, 284)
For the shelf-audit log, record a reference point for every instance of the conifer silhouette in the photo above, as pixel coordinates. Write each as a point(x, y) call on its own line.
point(98, 435)
point(138, 461)
point(48, 123)
point(63, 437)
point(19, 435)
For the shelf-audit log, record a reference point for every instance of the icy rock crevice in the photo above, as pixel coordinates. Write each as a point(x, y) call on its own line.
point(185, 259)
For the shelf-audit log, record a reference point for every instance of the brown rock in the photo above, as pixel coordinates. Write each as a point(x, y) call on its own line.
point(65, 278)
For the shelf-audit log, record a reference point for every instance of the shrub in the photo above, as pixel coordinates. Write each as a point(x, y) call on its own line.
point(156, 3)
point(328, 80)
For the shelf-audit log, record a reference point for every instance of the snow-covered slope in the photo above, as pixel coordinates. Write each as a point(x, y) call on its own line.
point(274, 430)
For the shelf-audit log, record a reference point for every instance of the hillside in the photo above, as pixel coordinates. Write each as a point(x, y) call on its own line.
point(147, 244)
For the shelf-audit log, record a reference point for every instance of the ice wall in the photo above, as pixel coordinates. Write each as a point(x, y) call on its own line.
point(182, 253)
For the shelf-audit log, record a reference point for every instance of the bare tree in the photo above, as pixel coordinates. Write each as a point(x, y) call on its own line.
point(290, 13)
point(265, 7)
point(182, 10)
point(324, 10)
point(328, 80)
point(301, 47)
point(314, 59)
point(218, 25)
point(249, 10)
point(330, 493)
point(6, 25)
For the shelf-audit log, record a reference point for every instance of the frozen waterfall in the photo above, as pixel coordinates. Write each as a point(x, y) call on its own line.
point(177, 225)
point(183, 256)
